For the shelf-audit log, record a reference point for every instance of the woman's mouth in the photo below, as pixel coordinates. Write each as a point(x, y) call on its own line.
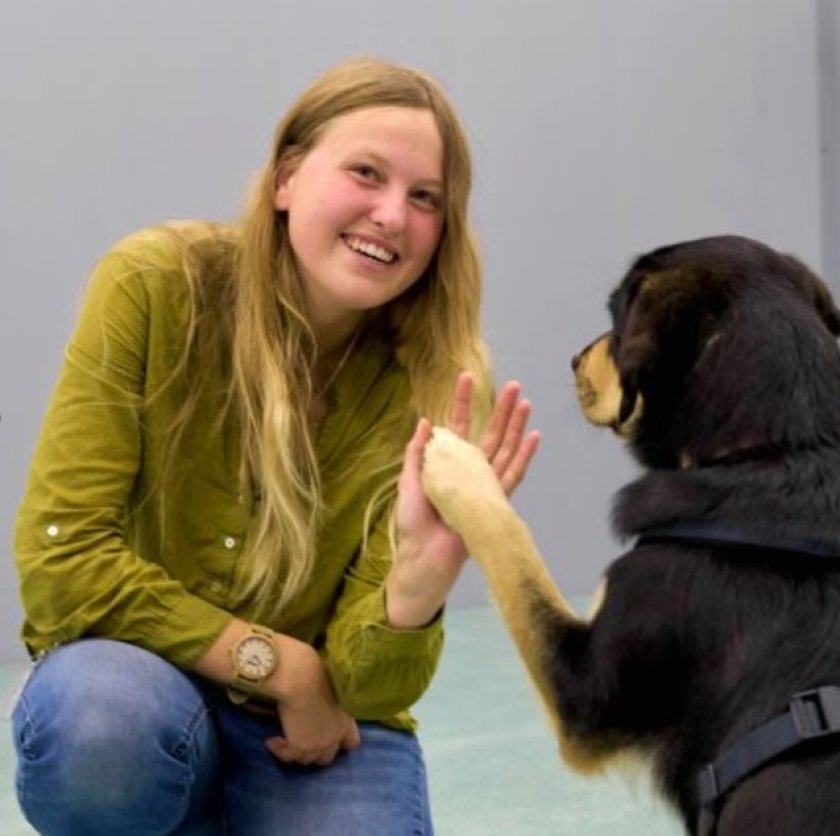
point(368, 248)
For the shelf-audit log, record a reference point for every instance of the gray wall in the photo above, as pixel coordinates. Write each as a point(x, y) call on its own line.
point(600, 128)
point(828, 62)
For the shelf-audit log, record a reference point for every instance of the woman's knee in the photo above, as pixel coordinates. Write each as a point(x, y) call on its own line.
point(106, 697)
point(105, 728)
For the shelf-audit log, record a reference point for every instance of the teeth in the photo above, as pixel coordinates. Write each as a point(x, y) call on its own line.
point(372, 250)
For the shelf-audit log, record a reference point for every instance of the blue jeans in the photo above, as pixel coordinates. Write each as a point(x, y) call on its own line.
point(112, 739)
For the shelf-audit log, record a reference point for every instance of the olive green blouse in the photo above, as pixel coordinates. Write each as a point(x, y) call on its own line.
point(100, 555)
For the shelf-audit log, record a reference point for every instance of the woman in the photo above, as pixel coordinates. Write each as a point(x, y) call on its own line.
point(230, 611)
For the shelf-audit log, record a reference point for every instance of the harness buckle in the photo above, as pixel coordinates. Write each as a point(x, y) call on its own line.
point(708, 785)
point(816, 713)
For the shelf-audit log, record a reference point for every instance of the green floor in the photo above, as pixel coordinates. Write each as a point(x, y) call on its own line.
point(492, 764)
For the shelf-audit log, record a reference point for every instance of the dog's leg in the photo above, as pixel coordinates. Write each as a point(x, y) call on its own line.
point(463, 487)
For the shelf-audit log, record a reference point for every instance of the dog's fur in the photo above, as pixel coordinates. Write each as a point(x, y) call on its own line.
point(722, 373)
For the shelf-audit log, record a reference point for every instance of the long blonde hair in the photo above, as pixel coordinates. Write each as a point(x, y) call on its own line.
point(433, 327)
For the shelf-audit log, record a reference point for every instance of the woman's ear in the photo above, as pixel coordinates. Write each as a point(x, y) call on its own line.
point(283, 184)
point(285, 177)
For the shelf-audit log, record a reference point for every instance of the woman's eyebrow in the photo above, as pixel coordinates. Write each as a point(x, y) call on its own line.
point(383, 161)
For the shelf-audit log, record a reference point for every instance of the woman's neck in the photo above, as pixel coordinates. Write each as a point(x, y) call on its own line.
point(333, 330)
point(334, 351)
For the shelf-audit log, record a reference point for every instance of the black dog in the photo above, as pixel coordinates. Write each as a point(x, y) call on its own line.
point(716, 647)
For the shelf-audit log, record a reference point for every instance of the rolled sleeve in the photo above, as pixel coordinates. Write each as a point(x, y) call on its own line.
point(377, 670)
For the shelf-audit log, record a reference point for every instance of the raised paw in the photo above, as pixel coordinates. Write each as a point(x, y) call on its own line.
point(459, 481)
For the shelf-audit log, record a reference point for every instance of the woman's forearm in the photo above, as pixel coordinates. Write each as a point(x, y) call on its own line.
point(298, 670)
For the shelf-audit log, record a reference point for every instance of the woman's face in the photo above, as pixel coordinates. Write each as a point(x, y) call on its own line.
point(365, 211)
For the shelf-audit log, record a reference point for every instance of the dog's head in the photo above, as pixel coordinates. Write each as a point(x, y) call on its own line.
point(718, 346)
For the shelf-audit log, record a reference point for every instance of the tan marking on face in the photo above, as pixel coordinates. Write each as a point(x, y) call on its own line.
point(597, 384)
point(599, 389)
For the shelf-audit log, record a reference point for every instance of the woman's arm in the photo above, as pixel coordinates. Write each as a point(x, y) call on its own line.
point(314, 726)
point(430, 555)
point(78, 574)
point(386, 635)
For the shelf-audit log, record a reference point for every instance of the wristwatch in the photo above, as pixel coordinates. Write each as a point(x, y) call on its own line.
point(254, 658)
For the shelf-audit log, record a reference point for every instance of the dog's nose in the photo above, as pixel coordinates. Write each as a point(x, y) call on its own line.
point(575, 362)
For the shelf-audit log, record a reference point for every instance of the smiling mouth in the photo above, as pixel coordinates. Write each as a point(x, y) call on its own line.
point(372, 251)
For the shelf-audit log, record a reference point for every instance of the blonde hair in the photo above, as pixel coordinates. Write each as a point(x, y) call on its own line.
point(433, 327)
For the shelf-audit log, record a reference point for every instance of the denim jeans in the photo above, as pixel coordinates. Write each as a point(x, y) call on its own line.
point(112, 739)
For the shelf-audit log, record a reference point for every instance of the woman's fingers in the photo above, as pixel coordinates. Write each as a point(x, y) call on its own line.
point(460, 414)
point(506, 448)
point(503, 408)
point(319, 754)
point(352, 737)
point(280, 748)
point(504, 442)
point(413, 459)
point(287, 753)
point(515, 470)
point(326, 757)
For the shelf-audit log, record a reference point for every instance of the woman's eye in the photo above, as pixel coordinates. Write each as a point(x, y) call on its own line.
point(426, 199)
point(365, 172)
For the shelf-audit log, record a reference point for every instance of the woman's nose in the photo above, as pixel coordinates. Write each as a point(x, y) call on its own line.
point(389, 213)
point(575, 362)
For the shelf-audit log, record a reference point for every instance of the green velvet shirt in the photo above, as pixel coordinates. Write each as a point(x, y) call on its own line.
point(99, 554)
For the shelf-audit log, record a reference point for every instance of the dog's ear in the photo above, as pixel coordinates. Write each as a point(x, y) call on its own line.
point(652, 305)
point(635, 350)
point(826, 308)
point(670, 316)
point(821, 295)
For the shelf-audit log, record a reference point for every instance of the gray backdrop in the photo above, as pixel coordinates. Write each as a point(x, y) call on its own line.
point(600, 128)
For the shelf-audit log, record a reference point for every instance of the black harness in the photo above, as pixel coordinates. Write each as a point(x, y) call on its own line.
point(810, 714)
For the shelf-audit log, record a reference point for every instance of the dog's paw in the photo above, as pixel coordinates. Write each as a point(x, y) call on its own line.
point(459, 481)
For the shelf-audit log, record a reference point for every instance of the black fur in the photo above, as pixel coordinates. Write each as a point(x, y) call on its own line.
point(732, 346)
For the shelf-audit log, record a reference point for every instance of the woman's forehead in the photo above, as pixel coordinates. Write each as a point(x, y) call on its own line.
point(406, 134)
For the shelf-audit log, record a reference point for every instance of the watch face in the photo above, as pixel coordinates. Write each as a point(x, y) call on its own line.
point(256, 657)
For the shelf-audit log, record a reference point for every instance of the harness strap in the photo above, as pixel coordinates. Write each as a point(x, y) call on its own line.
point(810, 715)
point(702, 532)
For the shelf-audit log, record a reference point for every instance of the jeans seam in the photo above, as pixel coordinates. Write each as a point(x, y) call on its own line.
point(419, 817)
point(184, 745)
point(26, 729)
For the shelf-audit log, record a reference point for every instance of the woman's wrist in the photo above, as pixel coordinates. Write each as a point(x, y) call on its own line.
point(412, 600)
point(296, 673)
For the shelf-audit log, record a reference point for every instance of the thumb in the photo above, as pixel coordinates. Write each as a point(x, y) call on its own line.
point(276, 745)
point(422, 433)
point(413, 461)
point(352, 738)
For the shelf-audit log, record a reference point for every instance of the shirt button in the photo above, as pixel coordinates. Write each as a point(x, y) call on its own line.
point(230, 542)
point(52, 530)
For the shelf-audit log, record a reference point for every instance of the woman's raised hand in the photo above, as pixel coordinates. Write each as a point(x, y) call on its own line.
point(430, 555)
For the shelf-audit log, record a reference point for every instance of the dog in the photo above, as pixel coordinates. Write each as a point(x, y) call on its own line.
point(715, 649)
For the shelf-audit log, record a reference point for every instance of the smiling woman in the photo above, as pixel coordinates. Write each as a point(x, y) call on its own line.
point(228, 567)
point(365, 212)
